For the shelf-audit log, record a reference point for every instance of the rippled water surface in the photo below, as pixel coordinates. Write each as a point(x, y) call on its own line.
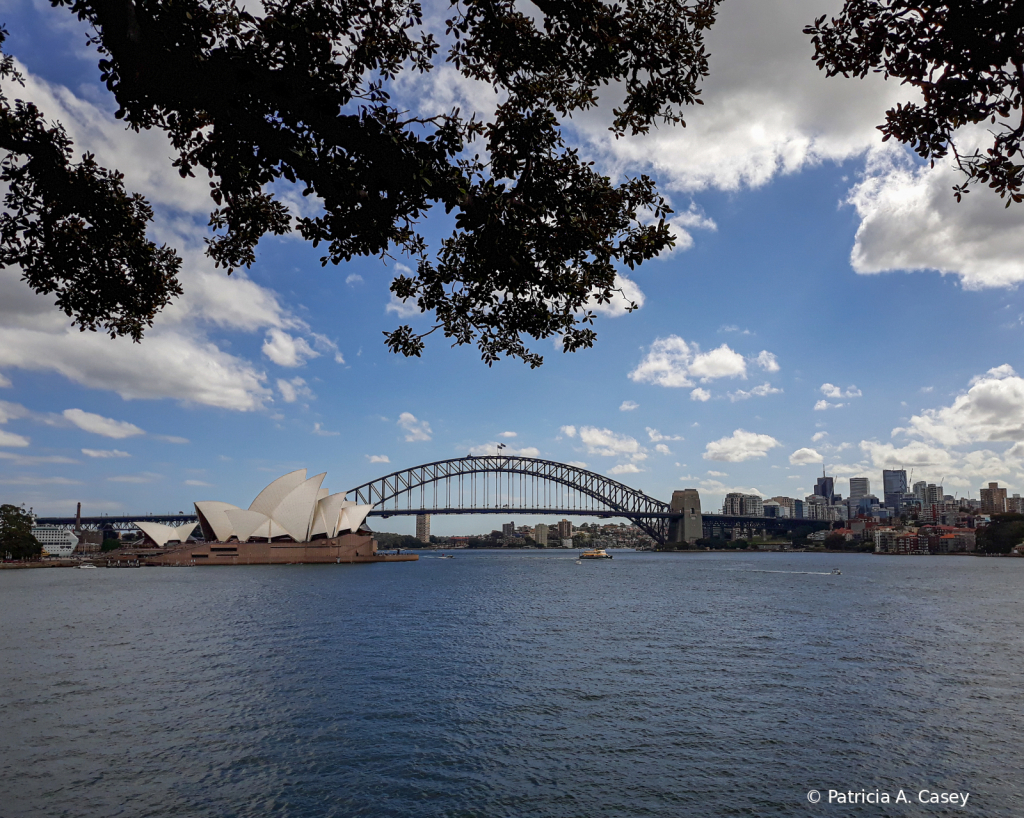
point(513, 684)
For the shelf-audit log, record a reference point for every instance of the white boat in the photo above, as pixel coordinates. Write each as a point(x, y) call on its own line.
point(836, 571)
point(86, 565)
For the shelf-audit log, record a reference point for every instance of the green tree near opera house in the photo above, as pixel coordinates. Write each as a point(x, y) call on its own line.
point(16, 540)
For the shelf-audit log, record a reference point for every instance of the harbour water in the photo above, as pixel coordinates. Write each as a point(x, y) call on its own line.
point(514, 683)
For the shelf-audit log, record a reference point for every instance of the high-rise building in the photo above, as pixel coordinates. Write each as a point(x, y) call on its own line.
point(564, 530)
point(508, 529)
point(859, 487)
point(540, 534)
point(993, 499)
point(933, 494)
point(825, 487)
point(894, 486)
point(423, 527)
point(1014, 504)
point(921, 491)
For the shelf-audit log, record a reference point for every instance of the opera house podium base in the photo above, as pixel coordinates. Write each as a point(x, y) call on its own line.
point(346, 548)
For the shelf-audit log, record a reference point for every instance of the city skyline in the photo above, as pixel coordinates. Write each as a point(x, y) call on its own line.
point(801, 323)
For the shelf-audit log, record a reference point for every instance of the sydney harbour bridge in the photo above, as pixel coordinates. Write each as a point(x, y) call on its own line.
point(505, 484)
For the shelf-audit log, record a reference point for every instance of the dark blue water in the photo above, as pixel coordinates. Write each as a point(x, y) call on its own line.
point(513, 684)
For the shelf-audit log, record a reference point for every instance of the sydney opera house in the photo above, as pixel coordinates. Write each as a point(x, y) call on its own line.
point(293, 520)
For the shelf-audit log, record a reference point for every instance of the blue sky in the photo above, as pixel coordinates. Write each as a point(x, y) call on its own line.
point(829, 301)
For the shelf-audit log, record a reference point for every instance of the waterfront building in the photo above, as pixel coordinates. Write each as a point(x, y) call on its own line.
point(567, 542)
point(508, 529)
point(423, 528)
point(56, 542)
point(565, 530)
point(540, 534)
point(737, 504)
point(894, 486)
point(859, 487)
point(993, 499)
point(1015, 504)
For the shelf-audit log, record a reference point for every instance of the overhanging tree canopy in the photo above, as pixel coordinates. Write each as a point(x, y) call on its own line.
point(303, 94)
point(966, 57)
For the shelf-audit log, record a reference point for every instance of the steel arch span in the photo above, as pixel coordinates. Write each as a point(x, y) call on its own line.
point(492, 484)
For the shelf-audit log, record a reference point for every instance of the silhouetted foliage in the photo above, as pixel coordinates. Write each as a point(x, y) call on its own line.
point(301, 95)
point(73, 230)
point(16, 533)
point(1001, 535)
point(110, 545)
point(966, 57)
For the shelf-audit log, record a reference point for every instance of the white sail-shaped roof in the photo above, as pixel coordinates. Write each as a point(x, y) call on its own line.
point(328, 510)
point(163, 534)
point(291, 506)
point(250, 524)
point(270, 498)
point(246, 523)
point(295, 511)
point(352, 517)
point(212, 511)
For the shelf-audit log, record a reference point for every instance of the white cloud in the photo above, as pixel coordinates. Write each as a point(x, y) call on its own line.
point(629, 406)
point(145, 477)
point(30, 460)
point(757, 392)
point(30, 480)
point(507, 434)
point(171, 439)
point(579, 464)
point(701, 395)
point(624, 468)
point(492, 448)
point(672, 361)
point(824, 405)
point(769, 109)
point(657, 437)
point(105, 453)
point(717, 473)
point(287, 350)
point(198, 483)
point(742, 445)
point(661, 448)
point(818, 436)
point(319, 430)
point(568, 431)
point(991, 410)
point(627, 292)
point(99, 425)
point(415, 430)
point(4, 382)
point(606, 443)
point(11, 439)
point(403, 309)
point(353, 278)
point(832, 391)
point(805, 456)
point(165, 365)
point(378, 458)
point(910, 221)
point(294, 389)
point(767, 361)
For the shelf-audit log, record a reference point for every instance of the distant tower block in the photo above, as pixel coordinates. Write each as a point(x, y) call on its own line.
point(690, 527)
point(423, 527)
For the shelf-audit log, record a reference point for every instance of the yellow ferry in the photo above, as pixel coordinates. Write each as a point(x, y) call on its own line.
point(595, 554)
